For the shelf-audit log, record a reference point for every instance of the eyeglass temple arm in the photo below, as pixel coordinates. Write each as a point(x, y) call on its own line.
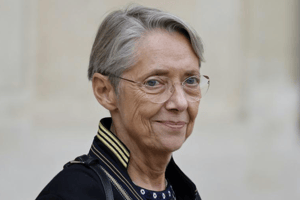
point(123, 78)
point(208, 82)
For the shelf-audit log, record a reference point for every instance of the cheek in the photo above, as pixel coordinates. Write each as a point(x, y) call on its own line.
point(136, 110)
point(142, 116)
point(192, 112)
point(130, 100)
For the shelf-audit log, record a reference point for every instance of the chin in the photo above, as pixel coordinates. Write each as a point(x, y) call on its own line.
point(172, 145)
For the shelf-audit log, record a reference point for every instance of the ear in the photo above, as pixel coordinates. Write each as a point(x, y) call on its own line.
point(104, 91)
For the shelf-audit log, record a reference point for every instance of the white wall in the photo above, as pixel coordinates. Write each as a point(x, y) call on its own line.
point(246, 141)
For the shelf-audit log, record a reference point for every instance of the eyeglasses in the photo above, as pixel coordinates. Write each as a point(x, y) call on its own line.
point(159, 88)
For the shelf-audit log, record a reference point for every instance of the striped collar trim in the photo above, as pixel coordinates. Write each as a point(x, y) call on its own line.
point(112, 142)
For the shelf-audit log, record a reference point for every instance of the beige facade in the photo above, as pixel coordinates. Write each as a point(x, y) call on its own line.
point(246, 142)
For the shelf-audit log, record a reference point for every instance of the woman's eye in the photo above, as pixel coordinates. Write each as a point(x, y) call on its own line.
point(151, 82)
point(192, 81)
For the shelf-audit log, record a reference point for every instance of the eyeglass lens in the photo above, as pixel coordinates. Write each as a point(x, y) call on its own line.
point(192, 94)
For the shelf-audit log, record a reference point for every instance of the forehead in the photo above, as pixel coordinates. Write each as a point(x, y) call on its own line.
point(160, 50)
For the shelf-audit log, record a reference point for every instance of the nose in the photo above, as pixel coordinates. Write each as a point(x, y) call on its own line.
point(177, 101)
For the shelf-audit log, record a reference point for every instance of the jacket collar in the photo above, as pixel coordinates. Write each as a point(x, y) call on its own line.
point(118, 155)
point(119, 150)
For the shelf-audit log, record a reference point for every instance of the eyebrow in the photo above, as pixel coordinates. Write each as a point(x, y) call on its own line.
point(162, 72)
point(192, 72)
point(158, 72)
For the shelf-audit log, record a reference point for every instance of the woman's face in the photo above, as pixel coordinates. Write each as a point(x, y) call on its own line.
point(159, 126)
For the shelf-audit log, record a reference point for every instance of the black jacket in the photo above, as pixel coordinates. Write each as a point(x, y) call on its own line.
point(80, 182)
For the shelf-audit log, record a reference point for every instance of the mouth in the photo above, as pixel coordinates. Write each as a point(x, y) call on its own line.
point(173, 124)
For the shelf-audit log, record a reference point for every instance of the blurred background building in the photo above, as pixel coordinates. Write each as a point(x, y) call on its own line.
point(246, 142)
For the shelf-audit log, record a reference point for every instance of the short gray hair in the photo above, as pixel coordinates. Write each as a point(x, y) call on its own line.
point(113, 48)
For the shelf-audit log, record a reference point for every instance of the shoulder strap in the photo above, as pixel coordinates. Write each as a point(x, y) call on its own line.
point(95, 166)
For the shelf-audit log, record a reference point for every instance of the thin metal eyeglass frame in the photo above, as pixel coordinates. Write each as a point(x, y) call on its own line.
point(207, 77)
point(124, 79)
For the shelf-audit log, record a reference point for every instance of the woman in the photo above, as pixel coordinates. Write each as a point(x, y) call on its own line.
point(145, 69)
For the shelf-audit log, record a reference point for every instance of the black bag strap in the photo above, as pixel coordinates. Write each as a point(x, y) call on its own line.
point(93, 163)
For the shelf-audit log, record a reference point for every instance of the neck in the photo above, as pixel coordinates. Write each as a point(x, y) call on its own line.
point(146, 168)
point(148, 171)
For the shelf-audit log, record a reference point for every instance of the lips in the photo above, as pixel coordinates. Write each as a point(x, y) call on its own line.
point(173, 124)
